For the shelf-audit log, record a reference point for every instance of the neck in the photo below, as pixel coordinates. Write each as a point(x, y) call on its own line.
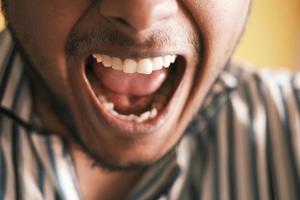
point(96, 183)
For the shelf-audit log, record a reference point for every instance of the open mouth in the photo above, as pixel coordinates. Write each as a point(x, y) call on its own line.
point(135, 91)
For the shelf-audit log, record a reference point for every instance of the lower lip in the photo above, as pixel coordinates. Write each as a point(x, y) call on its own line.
point(131, 128)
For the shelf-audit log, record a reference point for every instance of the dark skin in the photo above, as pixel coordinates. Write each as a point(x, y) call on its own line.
point(204, 33)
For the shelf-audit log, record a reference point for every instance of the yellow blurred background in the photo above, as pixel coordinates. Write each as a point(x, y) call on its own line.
point(272, 36)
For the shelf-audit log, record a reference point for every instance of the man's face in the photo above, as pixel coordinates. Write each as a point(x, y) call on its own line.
point(60, 38)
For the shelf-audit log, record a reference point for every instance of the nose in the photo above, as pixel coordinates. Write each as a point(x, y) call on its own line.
point(138, 15)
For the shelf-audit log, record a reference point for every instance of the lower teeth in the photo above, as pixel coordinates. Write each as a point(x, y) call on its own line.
point(109, 106)
point(159, 101)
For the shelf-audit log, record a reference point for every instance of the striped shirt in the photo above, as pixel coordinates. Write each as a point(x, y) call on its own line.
point(243, 144)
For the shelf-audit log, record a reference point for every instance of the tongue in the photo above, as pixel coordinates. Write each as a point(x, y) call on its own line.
point(130, 93)
point(127, 104)
point(130, 84)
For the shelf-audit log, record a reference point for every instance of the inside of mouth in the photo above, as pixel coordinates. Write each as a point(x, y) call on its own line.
point(138, 108)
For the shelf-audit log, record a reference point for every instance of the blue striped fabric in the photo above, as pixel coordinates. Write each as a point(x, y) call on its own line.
point(244, 143)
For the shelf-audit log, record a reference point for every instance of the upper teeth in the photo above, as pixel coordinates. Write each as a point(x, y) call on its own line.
point(142, 66)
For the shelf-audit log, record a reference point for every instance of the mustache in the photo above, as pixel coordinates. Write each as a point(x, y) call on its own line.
point(79, 41)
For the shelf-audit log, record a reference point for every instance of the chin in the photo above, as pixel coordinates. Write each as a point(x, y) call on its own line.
point(130, 159)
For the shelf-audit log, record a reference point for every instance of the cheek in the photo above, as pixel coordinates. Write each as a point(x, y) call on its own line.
point(46, 22)
point(221, 22)
point(43, 28)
